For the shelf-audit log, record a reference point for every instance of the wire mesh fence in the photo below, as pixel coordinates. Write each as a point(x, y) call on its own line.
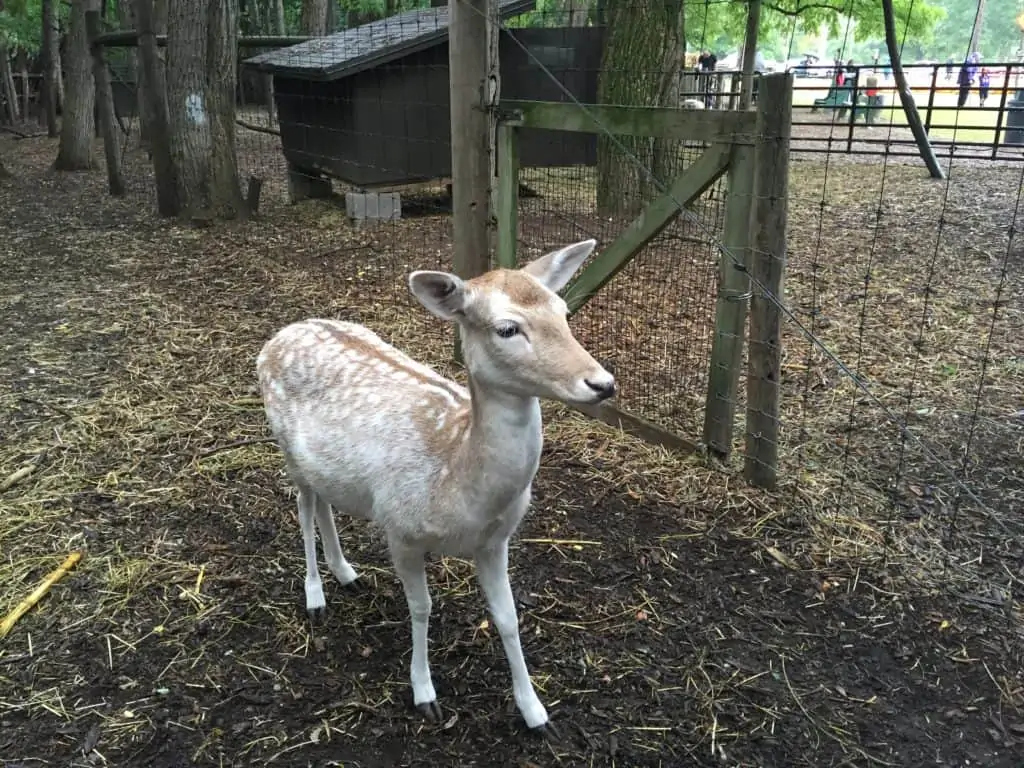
point(899, 392)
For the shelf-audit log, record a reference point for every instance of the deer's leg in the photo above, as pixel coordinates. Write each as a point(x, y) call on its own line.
point(315, 603)
point(336, 561)
point(410, 570)
point(492, 573)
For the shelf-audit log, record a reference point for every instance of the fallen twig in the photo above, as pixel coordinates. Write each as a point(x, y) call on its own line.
point(22, 134)
point(258, 128)
point(43, 404)
point(22, 472)
point(38, 593)
point(236, 444)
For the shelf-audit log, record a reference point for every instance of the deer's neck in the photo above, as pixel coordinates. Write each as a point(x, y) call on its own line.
point(502, 449)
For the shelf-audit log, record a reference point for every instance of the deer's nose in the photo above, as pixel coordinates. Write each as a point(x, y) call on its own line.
point(603, 387)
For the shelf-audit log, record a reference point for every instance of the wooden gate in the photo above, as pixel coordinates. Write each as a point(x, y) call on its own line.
point(752, 149)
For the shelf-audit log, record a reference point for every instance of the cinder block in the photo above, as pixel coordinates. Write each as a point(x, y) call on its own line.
point(375, 206)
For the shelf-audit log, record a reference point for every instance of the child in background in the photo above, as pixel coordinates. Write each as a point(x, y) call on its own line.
point(984, 80)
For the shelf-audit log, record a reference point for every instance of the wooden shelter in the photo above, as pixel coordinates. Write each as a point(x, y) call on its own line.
point(370, 105)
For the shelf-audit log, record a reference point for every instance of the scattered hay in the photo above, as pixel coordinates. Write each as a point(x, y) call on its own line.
point(671, 614)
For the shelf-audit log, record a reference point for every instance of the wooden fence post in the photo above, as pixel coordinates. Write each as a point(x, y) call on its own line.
point(472, 73)
point(731, 305)
point(105, 106)
point(507, 207)
point(766, 266)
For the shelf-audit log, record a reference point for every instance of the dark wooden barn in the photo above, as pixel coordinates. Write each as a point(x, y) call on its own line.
point(370, 105)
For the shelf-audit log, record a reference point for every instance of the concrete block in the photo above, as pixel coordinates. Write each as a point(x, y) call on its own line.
point(374, 206)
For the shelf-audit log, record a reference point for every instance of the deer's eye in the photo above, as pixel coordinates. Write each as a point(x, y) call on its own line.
point(507, 330)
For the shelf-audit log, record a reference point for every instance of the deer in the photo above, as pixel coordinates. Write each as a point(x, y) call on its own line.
point(369, 432)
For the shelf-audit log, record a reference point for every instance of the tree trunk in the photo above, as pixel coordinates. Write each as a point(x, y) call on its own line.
point(640, 38)
point(273, 19)
point(202, 45)
point(125, 14)
point(906, 98)
point(77, 126)
point(331, 25)
point(158, 13)
point(58, 57)
point(750, 54)
point(979, 21)
point(313, 18)
point(666, 156)
point(7, 88)
point(167, 200)
point(577, 12)
point(105, 107)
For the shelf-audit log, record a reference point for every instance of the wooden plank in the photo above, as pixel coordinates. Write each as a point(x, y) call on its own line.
point(470, 65)
point(637, 427)
point(645, 227)
point(731, 305)
point(767, 266)
point(710, 125)
point(507, 208)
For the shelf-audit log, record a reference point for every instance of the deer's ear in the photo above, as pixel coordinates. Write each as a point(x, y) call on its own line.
point(442, 293)
point(556, 268)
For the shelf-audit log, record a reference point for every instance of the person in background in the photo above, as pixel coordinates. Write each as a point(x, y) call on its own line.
point(872, 100)
point(840, 77)
point(973, 64)
point(984, 81)
point(949, 68)
point(707, 61)
point(964, 80)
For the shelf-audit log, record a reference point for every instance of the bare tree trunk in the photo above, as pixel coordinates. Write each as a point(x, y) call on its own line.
point(158, 14)
point(639, 40)
point(7, 89)
point(750, 54)
point(167, 200)
point(979, 21)
point(105, 107)
point(77, 126)
point(126, 20)
point(52, 84)
point(666, 160)
point(906, 98)
point(26, 90)
point(313, 18)
point(274, 21)
point(202, 44)
point(331, 25)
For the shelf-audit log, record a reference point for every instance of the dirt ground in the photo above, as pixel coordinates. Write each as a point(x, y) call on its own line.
point(671, 616)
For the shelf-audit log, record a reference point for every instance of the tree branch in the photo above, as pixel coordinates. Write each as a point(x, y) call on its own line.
point(259, 128)
point(801, 8)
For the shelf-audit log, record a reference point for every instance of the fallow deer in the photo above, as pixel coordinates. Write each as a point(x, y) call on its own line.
point(374, 434)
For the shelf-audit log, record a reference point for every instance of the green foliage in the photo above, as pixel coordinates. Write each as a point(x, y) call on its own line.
point(21, 24)
point(1000, 36)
